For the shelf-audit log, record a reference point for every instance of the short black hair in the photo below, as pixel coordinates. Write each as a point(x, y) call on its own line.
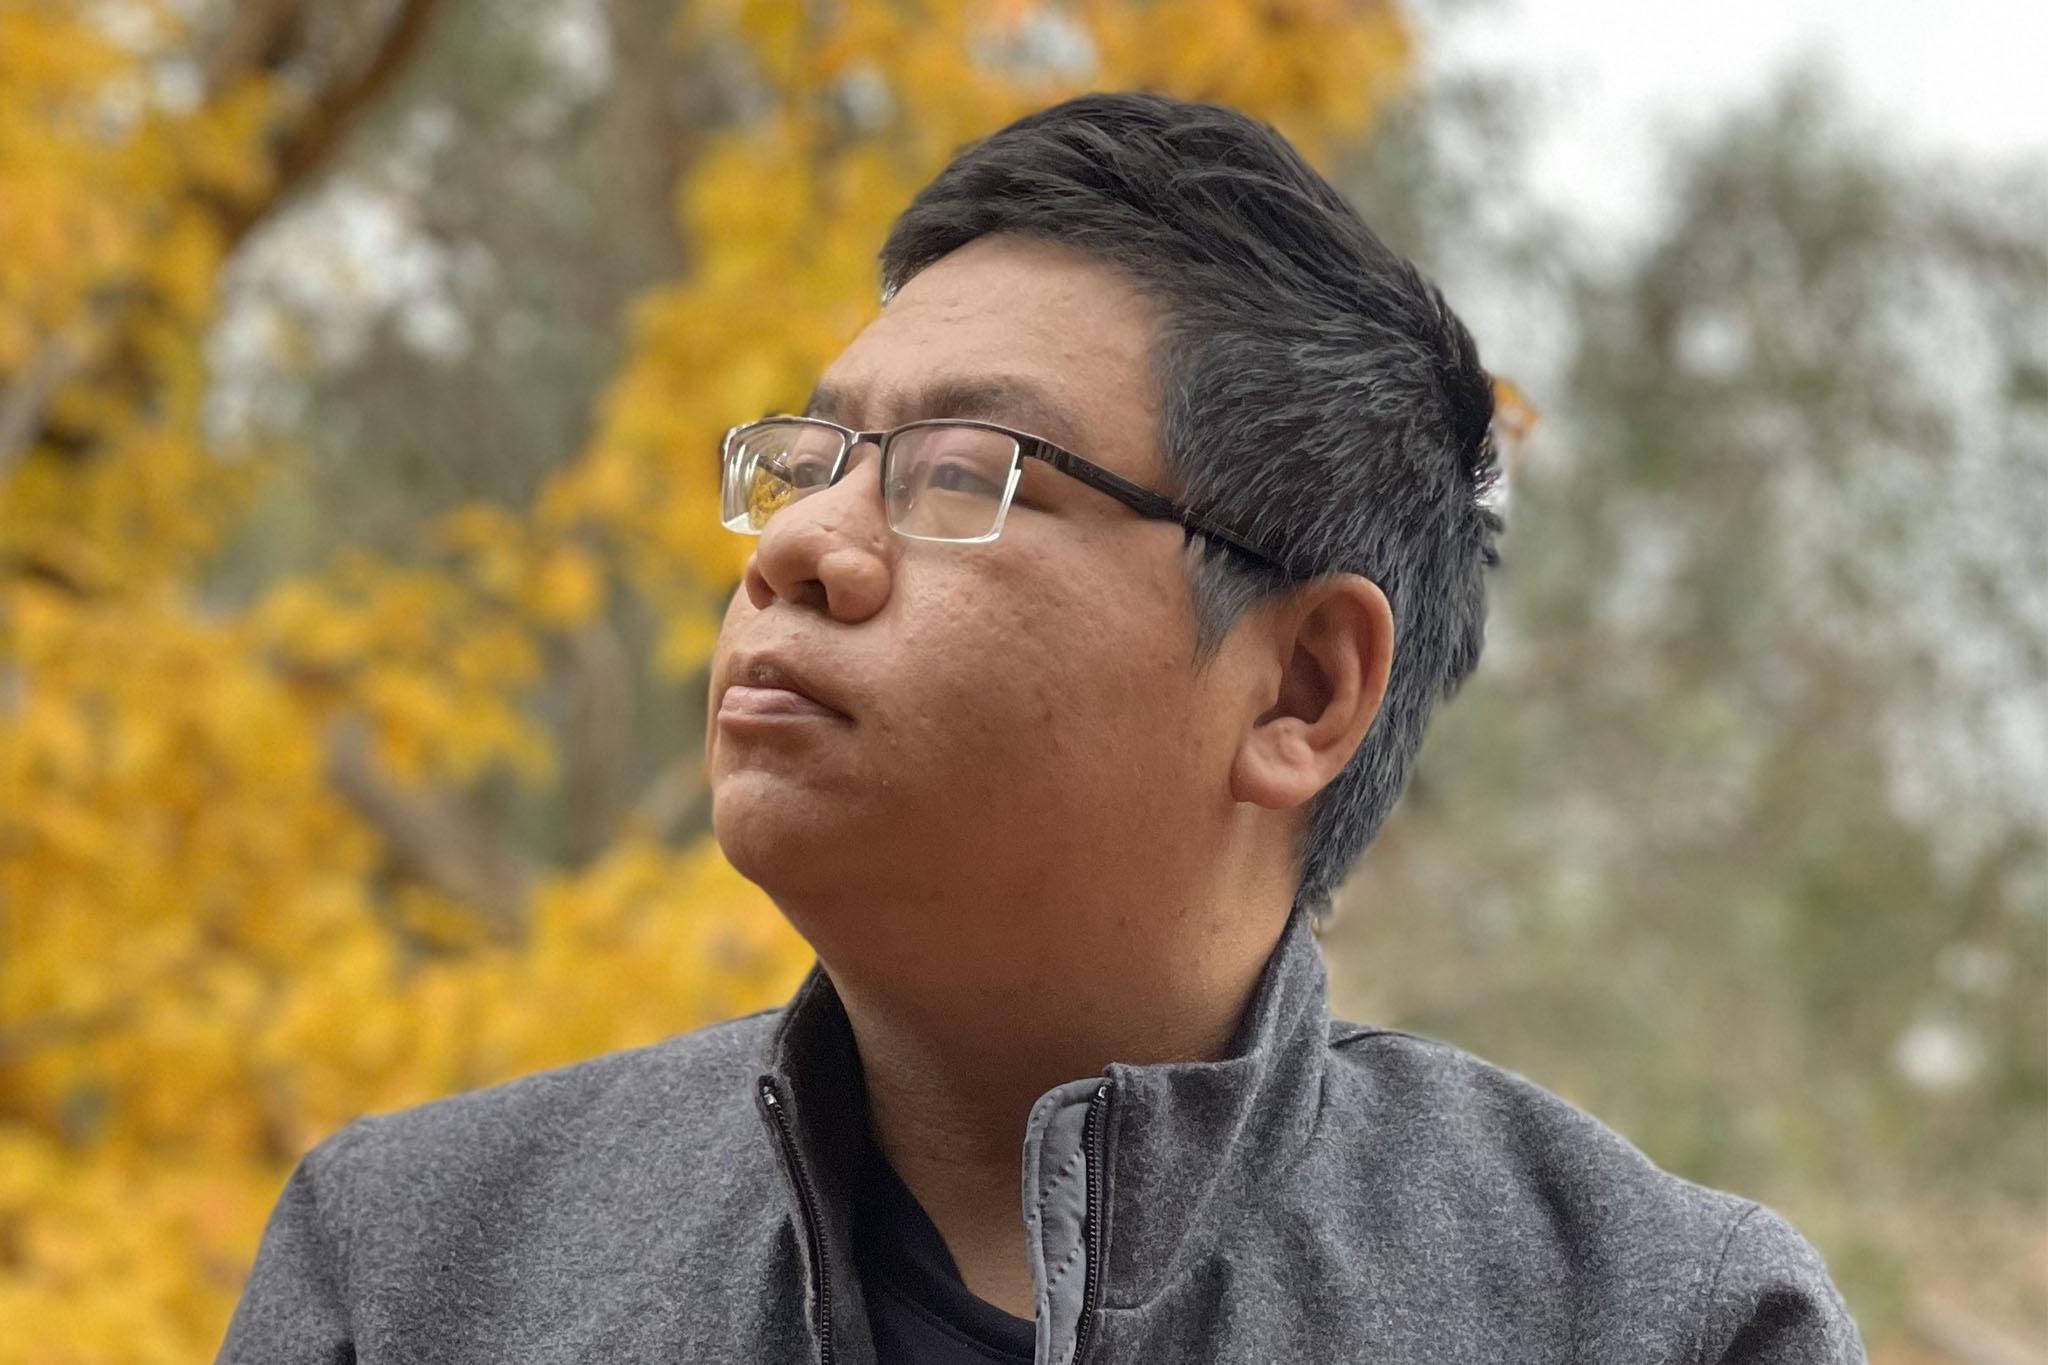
point(1316, 392)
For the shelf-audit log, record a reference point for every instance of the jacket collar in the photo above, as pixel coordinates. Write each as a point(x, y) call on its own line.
point(1190, 1142)
point(1185, 1140)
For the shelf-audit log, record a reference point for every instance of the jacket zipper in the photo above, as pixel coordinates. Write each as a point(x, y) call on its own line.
point(1091, 1141)
point(809, 1200)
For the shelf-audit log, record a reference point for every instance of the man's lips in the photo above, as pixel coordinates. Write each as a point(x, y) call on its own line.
point(762, 684)
point(741, 701)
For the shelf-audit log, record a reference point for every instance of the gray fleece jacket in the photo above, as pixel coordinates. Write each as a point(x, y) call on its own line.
point(1328, 1192)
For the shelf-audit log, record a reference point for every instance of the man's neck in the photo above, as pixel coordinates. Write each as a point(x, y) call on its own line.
point(951, 1081)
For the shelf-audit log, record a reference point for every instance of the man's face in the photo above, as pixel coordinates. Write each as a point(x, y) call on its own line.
point(1023, 727)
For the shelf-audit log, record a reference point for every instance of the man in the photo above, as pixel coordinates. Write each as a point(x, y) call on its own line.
point(1101, 596)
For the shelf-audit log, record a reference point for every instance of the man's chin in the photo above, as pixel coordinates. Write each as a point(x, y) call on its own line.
point(780, 842)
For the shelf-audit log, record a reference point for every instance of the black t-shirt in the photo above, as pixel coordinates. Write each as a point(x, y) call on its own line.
point(919, 1309)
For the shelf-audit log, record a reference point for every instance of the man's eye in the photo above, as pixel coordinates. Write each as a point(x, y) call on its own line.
point(797, 472)
point(959, 478)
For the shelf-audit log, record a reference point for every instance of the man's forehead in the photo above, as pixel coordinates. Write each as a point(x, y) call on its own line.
point(1023, 401)
point(1030, 333)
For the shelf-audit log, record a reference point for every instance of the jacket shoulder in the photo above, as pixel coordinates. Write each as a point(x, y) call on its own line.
point(1732, 1277)
point(612, 1112)
point(596, 1090)
point(498, 1217)
point(1445, 1105)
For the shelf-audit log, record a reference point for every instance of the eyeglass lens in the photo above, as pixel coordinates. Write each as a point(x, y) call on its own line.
point(944, 482)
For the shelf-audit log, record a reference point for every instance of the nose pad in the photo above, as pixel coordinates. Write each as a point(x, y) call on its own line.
point(853, 455)
point(853, 466)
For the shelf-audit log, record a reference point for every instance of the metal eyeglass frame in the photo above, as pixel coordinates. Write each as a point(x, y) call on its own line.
point(1141, 500)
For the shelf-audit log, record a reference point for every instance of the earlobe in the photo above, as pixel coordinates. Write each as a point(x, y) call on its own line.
point(1274, 766)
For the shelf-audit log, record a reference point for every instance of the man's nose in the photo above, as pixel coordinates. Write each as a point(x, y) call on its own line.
point(830, 549)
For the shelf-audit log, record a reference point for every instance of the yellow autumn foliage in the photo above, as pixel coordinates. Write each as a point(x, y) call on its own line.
point(211, 955)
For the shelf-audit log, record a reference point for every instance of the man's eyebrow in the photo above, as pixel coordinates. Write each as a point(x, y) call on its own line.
point(1011, 400)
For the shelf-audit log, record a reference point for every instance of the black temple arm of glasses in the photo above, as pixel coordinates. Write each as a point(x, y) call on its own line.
point(1144, 500)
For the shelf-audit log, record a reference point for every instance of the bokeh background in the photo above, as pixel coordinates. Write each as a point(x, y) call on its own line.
point(361, 367)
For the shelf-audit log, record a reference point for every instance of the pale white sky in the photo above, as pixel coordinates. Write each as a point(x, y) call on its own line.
point(1968, 76)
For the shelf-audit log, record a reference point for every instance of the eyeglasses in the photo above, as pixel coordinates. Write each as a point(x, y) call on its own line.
point(944, 479)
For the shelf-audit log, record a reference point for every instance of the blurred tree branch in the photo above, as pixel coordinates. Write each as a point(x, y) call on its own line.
point(257, 35)
point(27, 394)
point(600, 686)
point(432, 836)
point(259, 40)
point(312, 143)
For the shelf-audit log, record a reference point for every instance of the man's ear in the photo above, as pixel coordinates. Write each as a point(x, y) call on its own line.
point(1333, 644)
